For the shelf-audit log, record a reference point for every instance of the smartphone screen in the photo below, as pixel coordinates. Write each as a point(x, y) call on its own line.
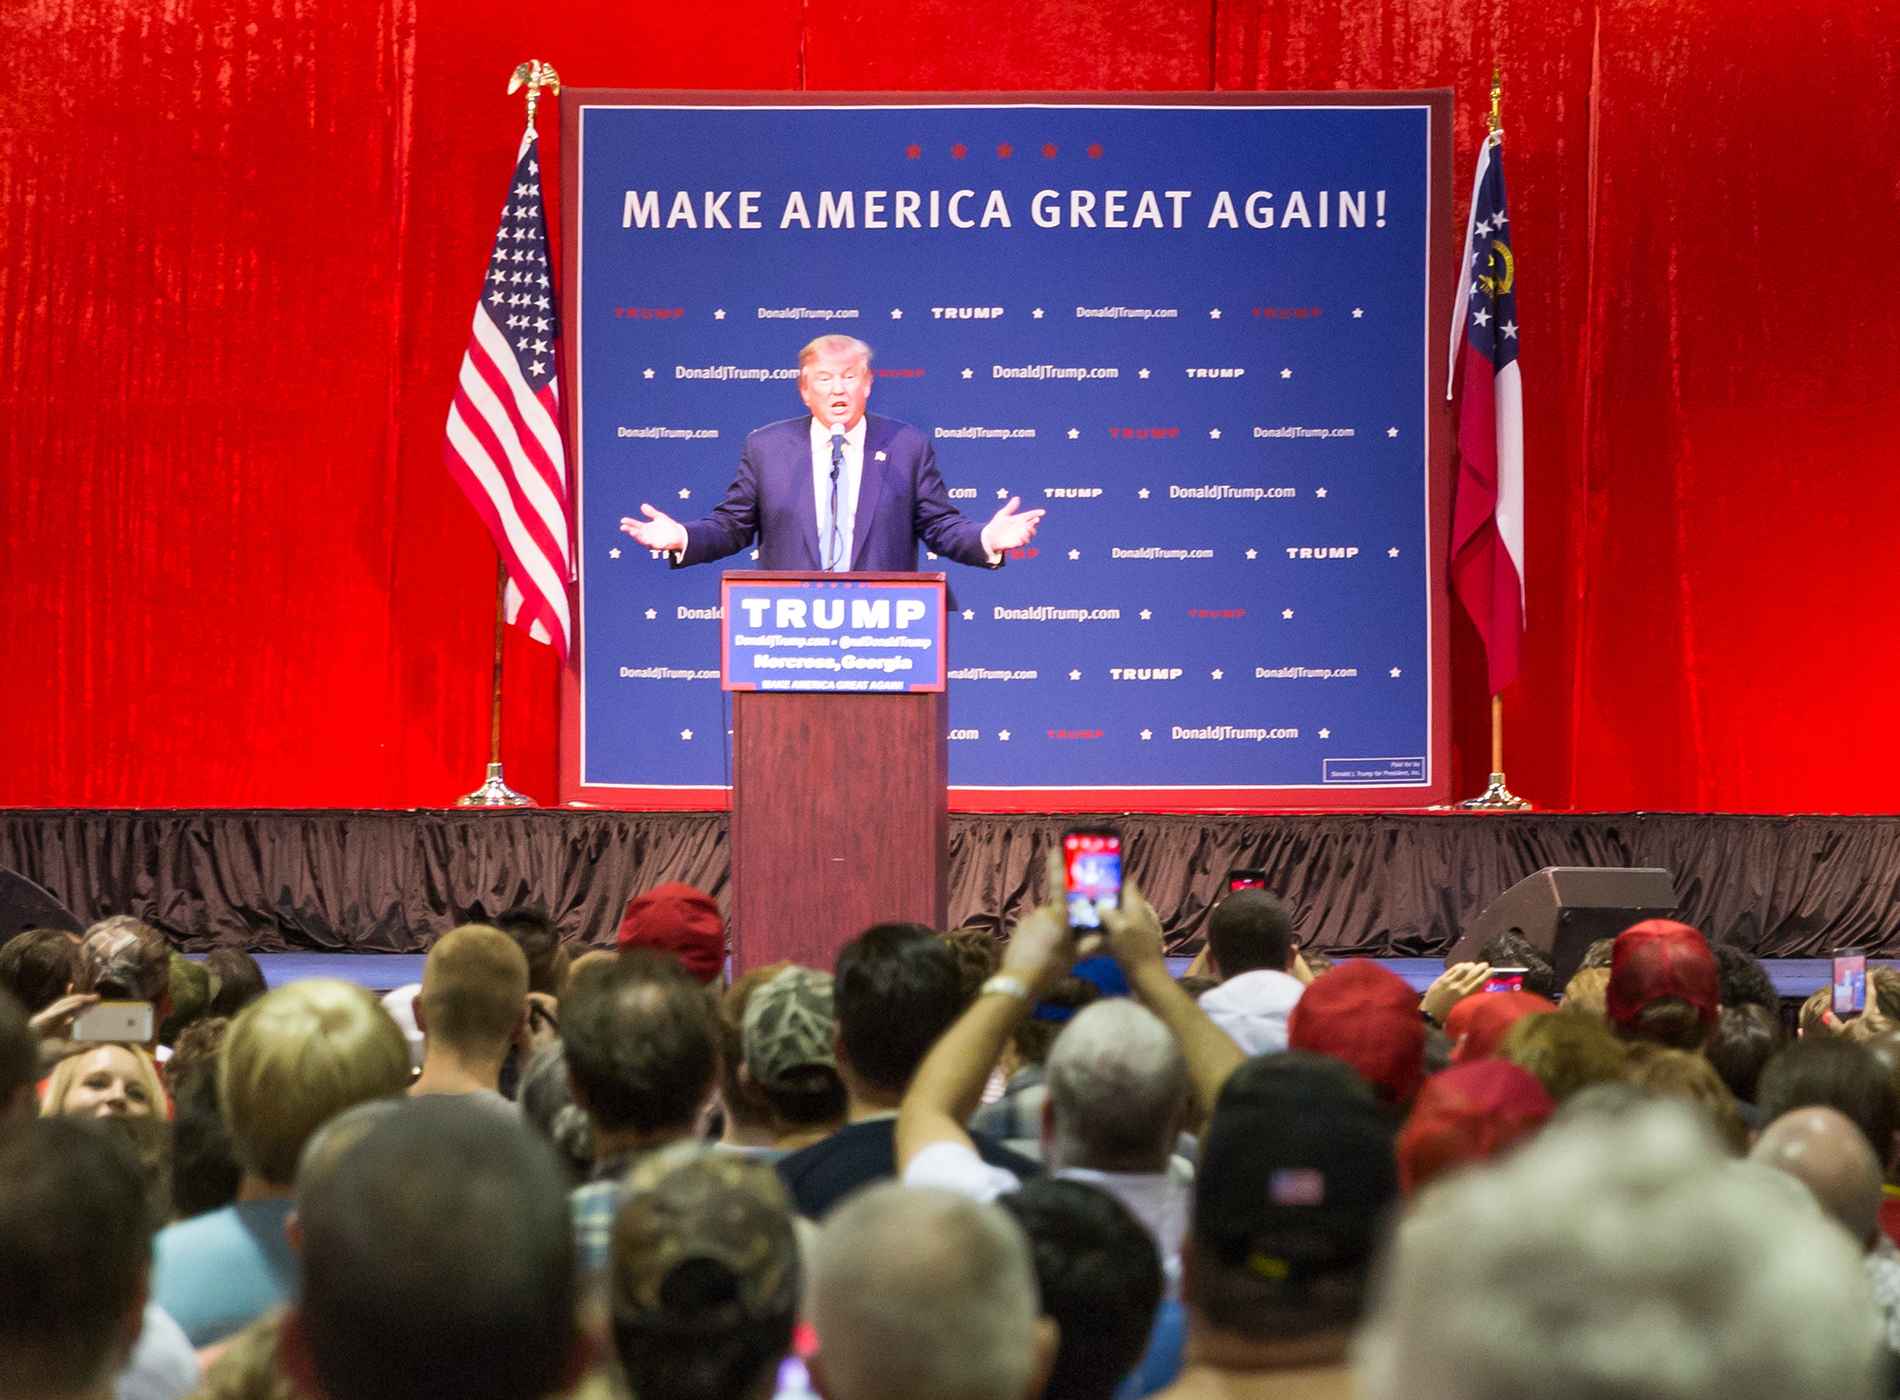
point(129, 1021)
point(1850, 984)
point(1246, 880)
point(1092, 871)
point(1506, 979)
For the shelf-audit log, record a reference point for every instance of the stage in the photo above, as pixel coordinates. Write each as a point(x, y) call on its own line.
point(1390, 885)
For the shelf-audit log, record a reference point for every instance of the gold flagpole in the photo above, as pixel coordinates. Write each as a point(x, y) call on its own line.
point(494, 791)
point(1497, 797)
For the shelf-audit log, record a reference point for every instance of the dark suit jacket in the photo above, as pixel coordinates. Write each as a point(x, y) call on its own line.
point(901, 501)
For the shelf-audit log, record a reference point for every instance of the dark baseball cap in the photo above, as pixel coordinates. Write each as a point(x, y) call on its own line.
point(1298, 1171)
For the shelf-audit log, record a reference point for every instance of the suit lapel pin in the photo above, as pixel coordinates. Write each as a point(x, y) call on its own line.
point(879, 457)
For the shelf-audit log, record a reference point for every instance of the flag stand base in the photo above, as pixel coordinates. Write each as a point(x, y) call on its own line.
point(495, 793)
point(1495, 798)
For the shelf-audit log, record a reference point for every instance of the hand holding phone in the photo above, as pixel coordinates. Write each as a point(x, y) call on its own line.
point(129, 1022)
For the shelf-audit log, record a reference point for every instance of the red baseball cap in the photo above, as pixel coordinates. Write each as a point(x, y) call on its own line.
point(1477, 1024)
point(681, 922)
point(1470, 1113)
point(1658, 959)
point(1368, 1017)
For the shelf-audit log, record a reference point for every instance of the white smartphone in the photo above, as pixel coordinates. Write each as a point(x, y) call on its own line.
point(129, 1021)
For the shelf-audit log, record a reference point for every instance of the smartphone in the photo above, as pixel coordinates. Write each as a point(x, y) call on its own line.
point(1246, 880)
point(1091, 872)
point(129, 1021)
point(1506, 979)
point(1850, 983)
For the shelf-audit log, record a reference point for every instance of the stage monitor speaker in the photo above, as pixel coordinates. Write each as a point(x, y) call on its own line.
point(1563, 909)
point(25, 905)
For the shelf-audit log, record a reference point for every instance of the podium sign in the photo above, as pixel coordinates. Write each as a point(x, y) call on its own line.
point(860, 634)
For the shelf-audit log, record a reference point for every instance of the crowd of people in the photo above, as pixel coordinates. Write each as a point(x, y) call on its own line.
point(947, 1167)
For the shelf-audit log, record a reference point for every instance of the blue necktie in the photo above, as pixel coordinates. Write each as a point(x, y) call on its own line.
point(834, 541)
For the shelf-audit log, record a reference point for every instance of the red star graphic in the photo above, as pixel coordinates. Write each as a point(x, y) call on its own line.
point(959, 151)
point(1095, 151)
point(1005, 151)
point(1049, 150)
point(913, 151)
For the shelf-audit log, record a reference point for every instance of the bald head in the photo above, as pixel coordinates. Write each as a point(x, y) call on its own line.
point(923, 1294)
point(1823, 1150)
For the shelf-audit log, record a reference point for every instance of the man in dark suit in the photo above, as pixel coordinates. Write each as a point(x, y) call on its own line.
point(838, 489)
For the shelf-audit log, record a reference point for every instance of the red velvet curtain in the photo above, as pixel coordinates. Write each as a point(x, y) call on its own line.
point(239, 245)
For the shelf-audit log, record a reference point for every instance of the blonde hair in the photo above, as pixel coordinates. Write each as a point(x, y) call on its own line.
point(295, 1058)
point(1588, 993)
point(66, 1074)
point(474, 988)
point(833, 344)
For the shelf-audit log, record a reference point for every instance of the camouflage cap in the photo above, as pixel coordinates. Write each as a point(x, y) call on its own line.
point(704, 1244)
point(123, 957)
point(790, 1024)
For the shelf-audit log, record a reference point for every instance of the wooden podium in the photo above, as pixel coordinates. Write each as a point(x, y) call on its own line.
point(840, 813)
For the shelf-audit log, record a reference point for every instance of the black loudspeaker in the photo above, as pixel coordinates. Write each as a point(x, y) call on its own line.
point(1563, 909)
point(24, 905)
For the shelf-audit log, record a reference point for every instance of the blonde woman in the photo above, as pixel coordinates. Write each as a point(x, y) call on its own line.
point(105, 1081)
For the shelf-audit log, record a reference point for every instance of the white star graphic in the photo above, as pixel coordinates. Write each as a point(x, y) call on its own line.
point(1075, 675)
point(1510, 330)
point(1146, 614)
point(1214, 433)
point(537, 368)
point(1287, 613)
point(686, 735)
point(1358, 313)
point(613, 554)
point(1396, 673)
point(1392, 553)
point(1003, 734)
point(1320, 491)
point(929, 554)
point(897, 313)
point(1002, 493)
point(1146, 735)
point(685, 494)
point(969, 374)
point(652, 613)
point(1483, 230)
point(1142, 372)
point(1214, 314)
point(1391, 432)
point(1074, 433)
point(1037, 313)
point(969, 614)
point(1075, 554)
point(646, 374)
point(1143, 493)
point(1499, 219)
point(755, 554)
point(1253, 553)
point(1326, 734)
point(541, 323)
point(1481, 317)
point(1286, 374)
point(719, 314)
point(1216, 673)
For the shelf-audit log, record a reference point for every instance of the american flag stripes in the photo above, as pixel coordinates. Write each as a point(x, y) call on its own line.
point(1487, 523)
point(504, 437)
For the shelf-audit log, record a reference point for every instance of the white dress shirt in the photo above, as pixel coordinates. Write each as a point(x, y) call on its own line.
point(850, 478)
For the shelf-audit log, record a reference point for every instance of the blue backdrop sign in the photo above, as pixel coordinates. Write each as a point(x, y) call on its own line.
point(1204, 336)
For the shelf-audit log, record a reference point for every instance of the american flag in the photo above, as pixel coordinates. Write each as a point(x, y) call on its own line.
point(504, 436)
point(1487, 519)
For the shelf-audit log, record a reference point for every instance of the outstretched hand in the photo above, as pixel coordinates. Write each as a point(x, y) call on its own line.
point(658, 531)
point(1010, 528)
